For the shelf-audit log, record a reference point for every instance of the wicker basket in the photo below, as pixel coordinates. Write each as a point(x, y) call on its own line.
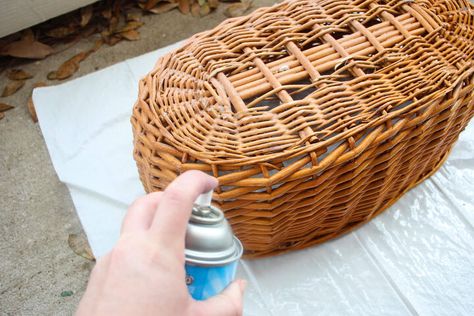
point(314, 115)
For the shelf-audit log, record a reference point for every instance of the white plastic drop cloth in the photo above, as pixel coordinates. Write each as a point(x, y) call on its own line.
point(416, 258)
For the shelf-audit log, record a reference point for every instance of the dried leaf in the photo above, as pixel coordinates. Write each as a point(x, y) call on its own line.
point(39, 84)
point(5, 107)
point(52, 75)
point(131, 35)
point(86, 15)
point(60, 32)
point(117, 7)
point(2, 115)
point(89, 30)
point(31, 105)
point(163, 7)
point(112, 40)
point(27, 48)
point(80, 246)
point(195, 9)
point(27, 35)
point(141, 5)
point(32, 110)
point(79, 57)
point(107, 13)
point(237, 9)
point(133, 17)
point(98, 43)
point(105, 33)
point(68, 68)
point(132, 25)
point(150, 4)
point(205, 10)
point(113, 23)
point(213, 3)
point(183, 6)
point(12, 87)
point(18, 74)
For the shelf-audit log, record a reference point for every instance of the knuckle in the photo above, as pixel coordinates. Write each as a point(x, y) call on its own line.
point(155, 195)
point(174, 194)
point(137, 203)
point(122, 249)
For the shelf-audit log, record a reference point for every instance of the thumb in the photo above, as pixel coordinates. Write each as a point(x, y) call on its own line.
point(227, 303)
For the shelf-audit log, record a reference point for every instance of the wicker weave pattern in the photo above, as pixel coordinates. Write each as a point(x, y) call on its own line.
point(314, 115)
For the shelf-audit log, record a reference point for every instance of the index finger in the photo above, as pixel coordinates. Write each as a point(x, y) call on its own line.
point(171, 218)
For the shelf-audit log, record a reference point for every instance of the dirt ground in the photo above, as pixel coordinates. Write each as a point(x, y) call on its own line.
point(36, 211)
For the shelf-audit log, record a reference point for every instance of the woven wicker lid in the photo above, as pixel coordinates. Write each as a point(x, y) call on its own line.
point(304, 76)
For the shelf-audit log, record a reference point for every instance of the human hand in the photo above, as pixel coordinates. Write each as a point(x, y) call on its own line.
point(144, 273)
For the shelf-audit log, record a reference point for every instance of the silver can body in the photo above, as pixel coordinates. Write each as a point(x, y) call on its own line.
point(211, 251)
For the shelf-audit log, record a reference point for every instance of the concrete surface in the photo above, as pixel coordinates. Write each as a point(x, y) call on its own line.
point(36, 211)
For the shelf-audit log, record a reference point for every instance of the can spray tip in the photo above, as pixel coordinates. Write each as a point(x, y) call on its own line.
point(204, 199)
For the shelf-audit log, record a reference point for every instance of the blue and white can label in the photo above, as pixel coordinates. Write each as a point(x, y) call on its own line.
point(212, 252)
point(204, 282)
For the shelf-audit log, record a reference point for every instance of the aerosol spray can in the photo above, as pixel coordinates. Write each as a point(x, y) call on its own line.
point(212, 251)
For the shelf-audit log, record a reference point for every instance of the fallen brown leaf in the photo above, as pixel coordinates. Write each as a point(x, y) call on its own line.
point(27, 48)
point(113, 23)
point(12, 87)
point(86, 15)
point(98, 43)
point(27, 35)
point(39, 84)
point(5, 107)
point(80, 246)
point(150, 4)
point(68, 68)
point(133, 17)
point(183, 6)
point(237, 9)
point(32, 110)
point(60, 32)
point(31, 105)
point(131, 35)
point(52, 75)
point(107, 13)
point(2, 115)
point(195, 9)
point(105, 33)
point(18, 74)
point(132, 25)
point(205, 10)
point(89, 30)
point(111, 40)
point(213, 3)
point(79, 57)
point(163, 7)
point(117, 7)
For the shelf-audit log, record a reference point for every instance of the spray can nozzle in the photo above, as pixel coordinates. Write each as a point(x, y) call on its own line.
point(204, 199)
point(203, 212)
